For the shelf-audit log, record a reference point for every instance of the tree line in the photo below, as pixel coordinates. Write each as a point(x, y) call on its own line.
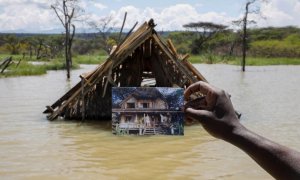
point(263, 42)
point(51, 46)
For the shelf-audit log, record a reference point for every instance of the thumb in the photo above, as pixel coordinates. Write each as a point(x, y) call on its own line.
point(199, 115)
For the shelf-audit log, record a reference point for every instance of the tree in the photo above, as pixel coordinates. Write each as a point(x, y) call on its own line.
point(55, 45)
point(29, 44)
point(245, 22)
point(104, 29)
point(40, 46)
point(67, 11)
point(12, 43)
point(206, 31)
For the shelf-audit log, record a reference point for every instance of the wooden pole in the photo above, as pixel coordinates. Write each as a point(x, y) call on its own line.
point(82, 99)
point(121, 31)
point(6, 64)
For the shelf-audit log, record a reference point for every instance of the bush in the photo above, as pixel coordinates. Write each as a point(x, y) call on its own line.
point(289, 47)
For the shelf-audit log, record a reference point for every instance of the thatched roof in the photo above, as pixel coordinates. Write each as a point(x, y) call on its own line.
point(140, 57)
point(144, 94)
point(147, 93)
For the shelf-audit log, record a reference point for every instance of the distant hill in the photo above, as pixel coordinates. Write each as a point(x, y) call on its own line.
point(55, 31)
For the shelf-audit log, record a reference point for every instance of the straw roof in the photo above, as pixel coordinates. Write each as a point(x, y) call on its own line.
point(141, 59)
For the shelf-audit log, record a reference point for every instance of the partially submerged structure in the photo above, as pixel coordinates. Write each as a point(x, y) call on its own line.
point(141, 59)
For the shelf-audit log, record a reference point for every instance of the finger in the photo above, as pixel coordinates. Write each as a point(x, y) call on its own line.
point(211, 99)
point(198, 103)
point(200, 86)
point(199, 115)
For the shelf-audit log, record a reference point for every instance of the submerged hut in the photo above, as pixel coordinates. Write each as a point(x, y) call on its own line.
point(141, 59)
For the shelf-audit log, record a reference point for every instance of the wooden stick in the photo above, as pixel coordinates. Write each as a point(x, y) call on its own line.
point(186, 56)
point(200, 77)
point(172, 47)
point(50, 109)
point(7, 63)
point(120, 34)
point(180, 66)
point(82, 99)
point(85, 80)
point(19, 62)
point(4, 61)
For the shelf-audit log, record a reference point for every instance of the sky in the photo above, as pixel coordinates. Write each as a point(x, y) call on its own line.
point(37, 16)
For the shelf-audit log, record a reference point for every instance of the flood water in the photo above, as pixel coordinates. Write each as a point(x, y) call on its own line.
point(33, 148)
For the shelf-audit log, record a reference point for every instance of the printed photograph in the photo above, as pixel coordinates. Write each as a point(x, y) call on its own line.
point(147, 111)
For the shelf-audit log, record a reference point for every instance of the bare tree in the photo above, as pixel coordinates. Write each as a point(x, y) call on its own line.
point(206, 31)
point(245, 22)
point(67, 11)
point(104, 28)
point(30, 43)
point(40, 45)
point(55, 45)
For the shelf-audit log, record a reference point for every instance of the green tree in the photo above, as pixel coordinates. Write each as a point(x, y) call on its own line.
point(104, 33)
point(12, 43)
point(205, 31)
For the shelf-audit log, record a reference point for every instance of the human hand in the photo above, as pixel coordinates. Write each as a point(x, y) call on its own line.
point(214, 111)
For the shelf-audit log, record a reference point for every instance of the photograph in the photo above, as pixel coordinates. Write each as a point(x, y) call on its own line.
point(147, 111)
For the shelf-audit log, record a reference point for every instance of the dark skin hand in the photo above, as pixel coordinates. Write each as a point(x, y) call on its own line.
point(216, 114)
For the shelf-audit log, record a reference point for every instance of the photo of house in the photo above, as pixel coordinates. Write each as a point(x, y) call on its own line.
point(147, 111)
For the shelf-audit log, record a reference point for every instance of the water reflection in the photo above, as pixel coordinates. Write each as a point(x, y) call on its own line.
point(34, 148)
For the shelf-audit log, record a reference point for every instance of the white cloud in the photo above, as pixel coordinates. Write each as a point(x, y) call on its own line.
point(169, 18)
point(198, 5)
point(27, 15)
point(280, 13)
point(100, 6)
point(36, 15)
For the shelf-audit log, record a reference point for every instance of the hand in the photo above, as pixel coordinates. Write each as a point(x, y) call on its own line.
point(214, 111)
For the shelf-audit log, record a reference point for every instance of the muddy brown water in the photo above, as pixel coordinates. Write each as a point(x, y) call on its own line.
point(33, 148)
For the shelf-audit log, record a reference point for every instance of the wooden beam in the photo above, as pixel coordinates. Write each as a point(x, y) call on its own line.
point(82, 99)
point(164, 67)
point(6, 63)
point(185, 57)
point(84, 79)
point(50, 109)
point(200, 77)
point(179, 65)
point(172, 47)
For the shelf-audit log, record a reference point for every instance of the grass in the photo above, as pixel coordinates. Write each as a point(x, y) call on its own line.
point(15, 57)
point(77, 59)
point(89, 59)
point(207, 59)
point(250, 61)
point(26, 68)
point(257, 61)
